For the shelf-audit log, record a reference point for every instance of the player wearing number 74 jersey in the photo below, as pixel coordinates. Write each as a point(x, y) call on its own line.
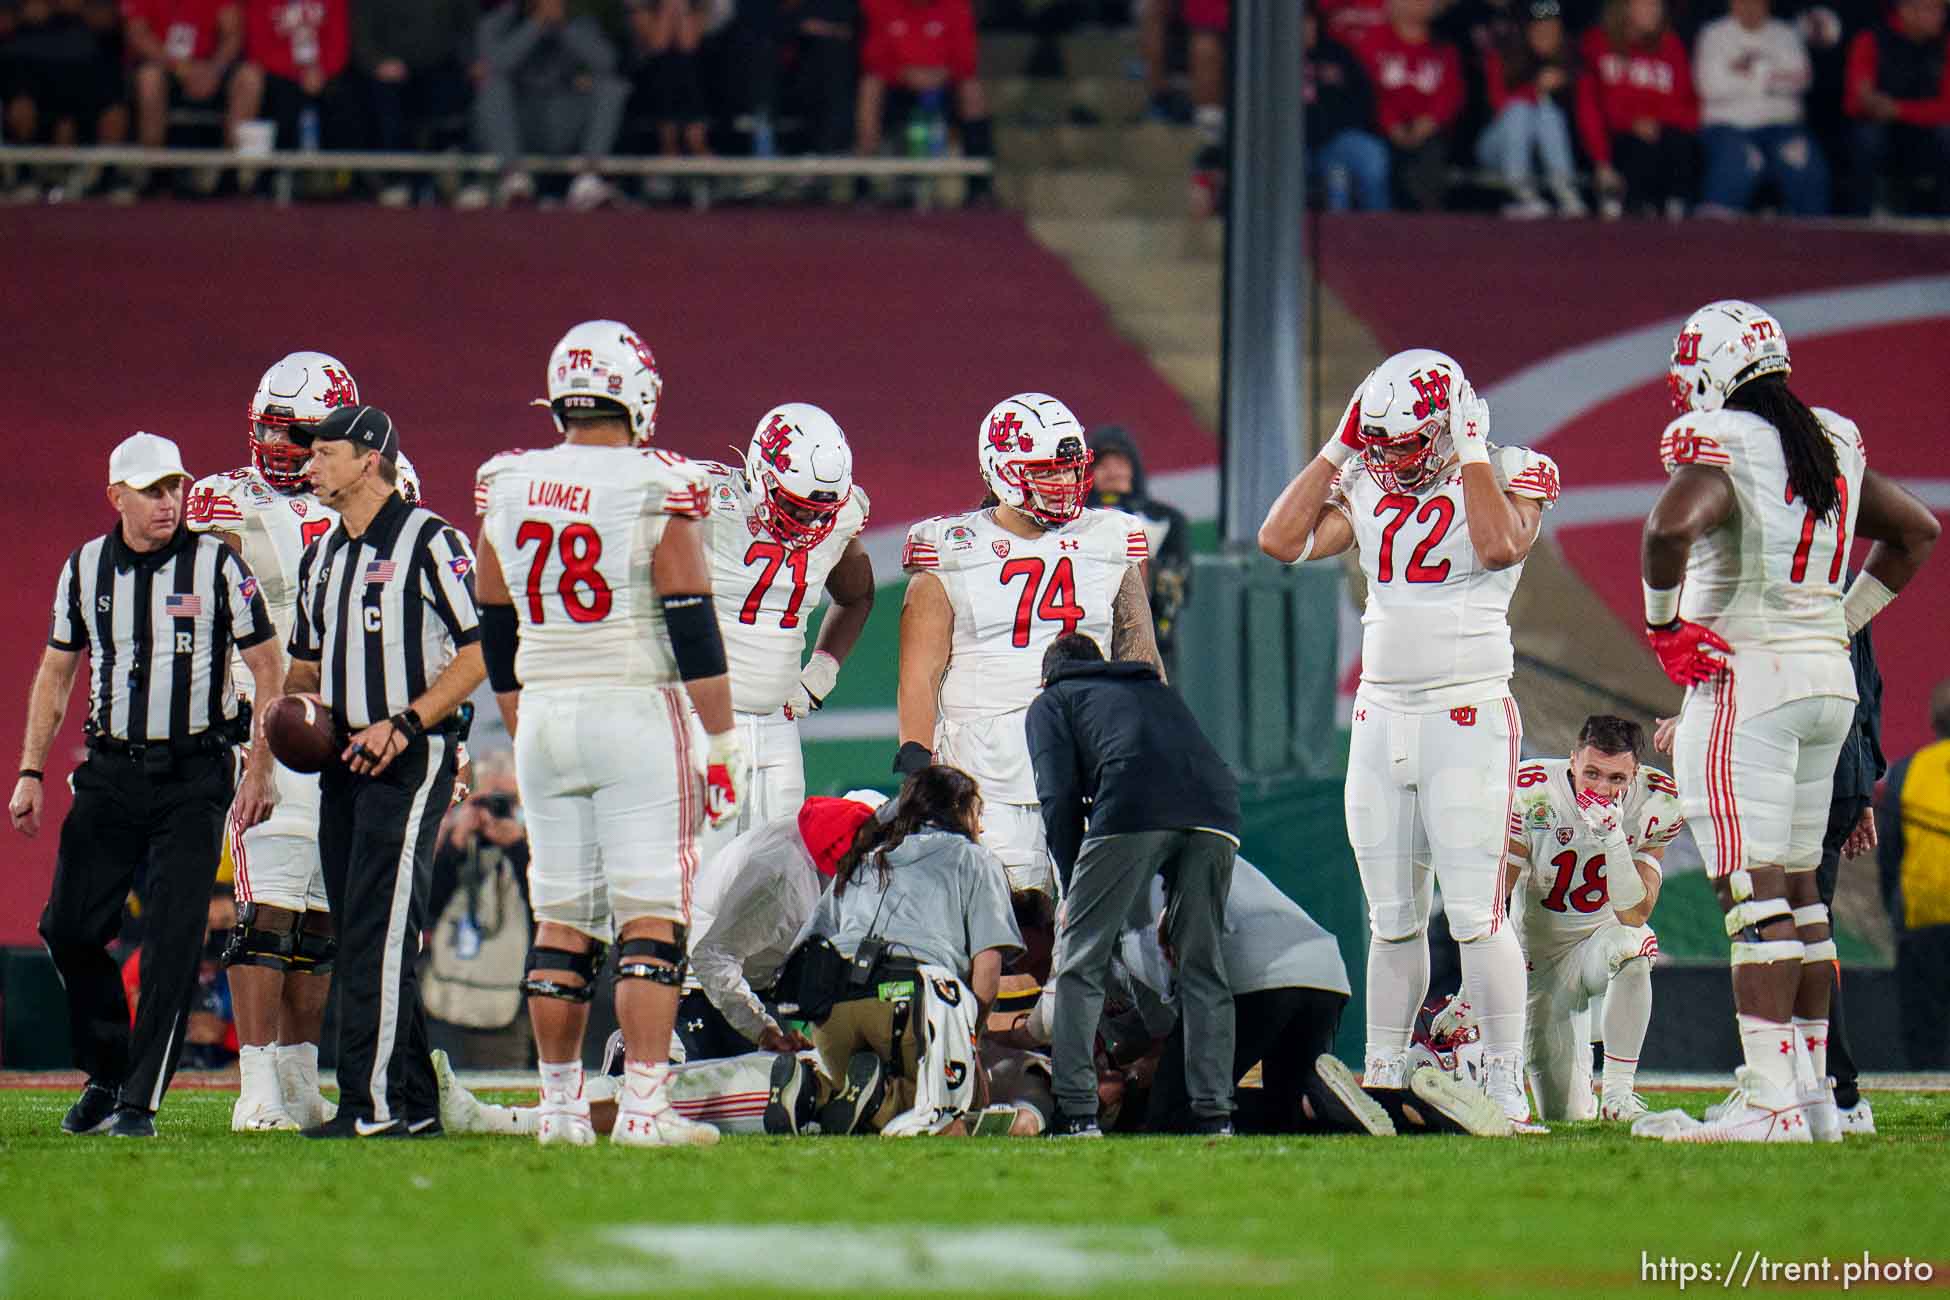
point(596, 624)
point(1443, 521)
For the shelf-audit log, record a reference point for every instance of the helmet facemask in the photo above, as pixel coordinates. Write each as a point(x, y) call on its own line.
point(1053, 490)
point(282, 462)
point(799, 523)
point(1410, 462)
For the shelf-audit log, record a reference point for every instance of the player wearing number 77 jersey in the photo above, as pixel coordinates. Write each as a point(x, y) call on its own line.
point(991, 589)
point(1586, 838)
point(596, 624)
point(1766, 494)
point(1443, 521)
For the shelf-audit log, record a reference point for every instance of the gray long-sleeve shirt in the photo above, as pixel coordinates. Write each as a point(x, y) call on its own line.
point(542, 58)
point(946, 899)
point(768, 887)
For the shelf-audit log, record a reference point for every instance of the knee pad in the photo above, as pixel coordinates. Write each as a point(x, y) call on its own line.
point(1396, 922)
point(1820, 950)
point(1811, 915)
point(585, 964)
point(1747, 918)
point(636, 960)
point(251, 945)
point(315, 953)
point(1471, 922)
point(1766, 952)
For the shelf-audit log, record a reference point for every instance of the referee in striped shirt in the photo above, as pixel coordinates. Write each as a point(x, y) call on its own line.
point(158, 609)
point(388, 635)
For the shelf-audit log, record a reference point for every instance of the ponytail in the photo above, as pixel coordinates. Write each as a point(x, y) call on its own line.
point(1811, 465)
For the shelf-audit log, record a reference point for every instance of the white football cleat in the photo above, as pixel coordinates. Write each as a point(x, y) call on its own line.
point(1662, 1124)
point(645, 1117)
point(1859, 1119)
point(261, 1115)
point(1824, 1118)
point(1765, 1114)
point(1338, 1099)
point(1622, 1107)
point(1503, 1082)
point(1462, 1104)
point(1726, 1106)
point(564, 1121)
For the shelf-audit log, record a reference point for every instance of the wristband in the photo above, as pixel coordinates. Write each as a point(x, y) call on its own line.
point(913, 757)
point(1337, 453)
point(1661, 605)
point(408, 724)
point(1863, 600)
point(32, 773)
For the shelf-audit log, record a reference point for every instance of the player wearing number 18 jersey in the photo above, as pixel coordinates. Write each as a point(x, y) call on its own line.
point(1443, 522)
point(990, 590)
point(1764, 498)
point(594, 550)
point(1586, 837)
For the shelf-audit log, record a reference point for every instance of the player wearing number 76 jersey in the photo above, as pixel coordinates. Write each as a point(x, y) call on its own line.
point(1443, 521)
point(596, 624)
point(1586, 837)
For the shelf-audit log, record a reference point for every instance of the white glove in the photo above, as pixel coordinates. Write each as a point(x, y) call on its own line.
point(815, 684)
point(1602, 816)
point(725, 769)
point(1469, 425)
point(1605, 818)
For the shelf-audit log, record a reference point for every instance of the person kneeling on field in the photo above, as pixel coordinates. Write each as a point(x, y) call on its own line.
point(919, 913)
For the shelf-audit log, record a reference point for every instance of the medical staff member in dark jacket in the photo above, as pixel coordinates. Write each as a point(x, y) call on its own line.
point(1161, 802)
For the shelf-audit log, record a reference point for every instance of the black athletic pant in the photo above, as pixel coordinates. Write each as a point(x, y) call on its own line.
point(1655, 170)
point(705, 1033)
point(1842, 816)
point(375, 848)
point(126, 812)
point(1923, 994)
point(1282, 1030)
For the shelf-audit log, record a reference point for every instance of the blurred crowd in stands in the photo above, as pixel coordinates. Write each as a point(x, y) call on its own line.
point(1802, 107)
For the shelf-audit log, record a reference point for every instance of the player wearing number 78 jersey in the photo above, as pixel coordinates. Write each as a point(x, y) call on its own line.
point(1586, 837)
point(596, 625)
point(1443, 521)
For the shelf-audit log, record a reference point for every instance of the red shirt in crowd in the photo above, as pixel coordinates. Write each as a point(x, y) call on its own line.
point(1864, 56)
point(1411, 78)
point(186, 28)
point(285, 37)
point(1618, 87)
point(918, 34)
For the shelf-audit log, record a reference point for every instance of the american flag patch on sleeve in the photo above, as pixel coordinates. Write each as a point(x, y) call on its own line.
point(380, 571)
point(183, 606)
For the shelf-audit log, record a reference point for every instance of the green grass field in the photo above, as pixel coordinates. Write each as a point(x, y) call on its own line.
point(201, 1212)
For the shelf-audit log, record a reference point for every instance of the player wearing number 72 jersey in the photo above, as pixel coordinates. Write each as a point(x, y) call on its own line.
point(1443, 522)
point(1586, 838)
point(596, 623)
point(991, 589)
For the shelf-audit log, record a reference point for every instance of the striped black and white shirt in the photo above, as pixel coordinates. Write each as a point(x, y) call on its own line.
point(382, 613)
point(158, 627)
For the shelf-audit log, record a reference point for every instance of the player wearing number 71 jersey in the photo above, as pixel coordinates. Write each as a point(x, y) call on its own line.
point(1765, 496)
point(596, 624)
point(1586, 838)
point(1443, 521)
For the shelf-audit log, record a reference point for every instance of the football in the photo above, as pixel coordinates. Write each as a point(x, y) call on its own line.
point(301, 733)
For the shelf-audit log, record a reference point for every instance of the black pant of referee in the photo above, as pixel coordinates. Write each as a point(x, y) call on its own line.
point(375, 848)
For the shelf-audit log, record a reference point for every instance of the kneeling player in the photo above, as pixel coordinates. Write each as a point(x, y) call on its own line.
point(1586, 836)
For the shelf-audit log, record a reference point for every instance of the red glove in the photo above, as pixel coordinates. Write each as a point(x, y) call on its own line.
point(1682, 646)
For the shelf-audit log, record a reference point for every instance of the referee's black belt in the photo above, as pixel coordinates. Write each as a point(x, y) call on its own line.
point(216, 741)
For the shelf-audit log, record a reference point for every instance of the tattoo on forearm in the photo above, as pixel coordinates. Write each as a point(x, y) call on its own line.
point(1131, 633)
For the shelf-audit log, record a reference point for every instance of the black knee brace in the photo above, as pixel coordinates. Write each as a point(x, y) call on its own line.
point(314, 953)
point(585, 964)
point(632, 960)
point(250, 946)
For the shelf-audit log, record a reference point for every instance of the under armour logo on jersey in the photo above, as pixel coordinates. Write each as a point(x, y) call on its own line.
point(1360, 715)
point(1067, 544)
point(339, 389)
point(1432, 393)
point(1006, 433)
point(774, 445)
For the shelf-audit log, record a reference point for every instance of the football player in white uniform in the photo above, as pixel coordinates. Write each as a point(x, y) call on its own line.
point(280, 953)
point(597, 622)
point(1586, 837)
point(989, 591)
point(784, 528)
point(1765, 497)
point(1443, 521)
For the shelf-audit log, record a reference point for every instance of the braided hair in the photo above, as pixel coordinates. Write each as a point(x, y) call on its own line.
point(940, 798)
point(1811, 465)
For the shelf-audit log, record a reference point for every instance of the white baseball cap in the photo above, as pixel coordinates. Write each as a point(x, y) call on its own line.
point(142, 460)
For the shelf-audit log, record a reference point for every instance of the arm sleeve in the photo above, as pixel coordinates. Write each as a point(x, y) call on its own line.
point(1529, 474)
point(67, 629)
point(584, 38)
point(1591, 112)
point(447, 583)
point(1713, 64)
point(746, 920)
point(250, 620)
point(1932, 112)
point(961, 43)
point(1682, 108)
point(989, 921)
point(211, 508)
point(922, 549)
point(1053, 755)
point(1860, 73)
point(306, 640)
point(877, 49)
point(1499, 93)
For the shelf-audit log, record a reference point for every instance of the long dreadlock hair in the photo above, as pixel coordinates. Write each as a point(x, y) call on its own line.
point(1811, 466)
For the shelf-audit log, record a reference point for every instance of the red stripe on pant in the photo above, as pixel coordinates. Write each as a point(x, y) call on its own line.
point(1499, 906)
point(1720, 804)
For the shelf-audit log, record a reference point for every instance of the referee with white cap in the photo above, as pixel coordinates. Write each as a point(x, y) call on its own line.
point(158, 609)
point(388, 635)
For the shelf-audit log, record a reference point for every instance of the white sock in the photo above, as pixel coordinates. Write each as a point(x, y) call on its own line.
point(562, 1079)
point(1628, 1010)
point(1814, 1038)
point(299, 1057)
point(1769, 1046)
point(1398, 980)
point(258, 1071)
point(1494, 984)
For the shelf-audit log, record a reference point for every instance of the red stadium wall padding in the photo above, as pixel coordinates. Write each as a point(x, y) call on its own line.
point(162, 318)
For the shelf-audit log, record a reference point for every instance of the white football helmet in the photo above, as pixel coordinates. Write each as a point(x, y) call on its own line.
point(1035, 459)
point(802, 469)
point(302, 388)
point(1720, 347)
point(603, 367)
point(1404, 418)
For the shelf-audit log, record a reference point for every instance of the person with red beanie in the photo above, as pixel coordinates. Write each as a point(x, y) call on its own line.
point(1637, 112)
point(1418, 84)
point(746, 910)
